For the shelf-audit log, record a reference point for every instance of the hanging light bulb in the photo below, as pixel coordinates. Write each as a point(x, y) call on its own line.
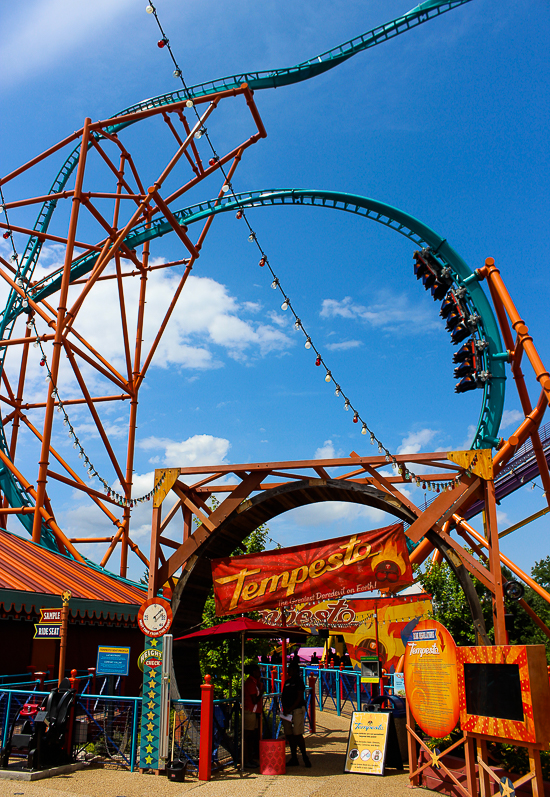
point(337, 391)
point(177, 73)
point(297, 325)
point(372, 438)
point(35, 344)
point(43, 361)
point(285, 304)
point(239, 214)
point(198, 134)
point(24, 303)
point(307, 344)
point(364, 429)
point(149, 9)
point(29, 324)
point(328, 377)
point(252, 237)
point(380, 448)
point(189, 103)
point(225, 188)
point(275, 285)
point(346, 405)
point(387, 457)
point(318, 360)
point(162, 42)
point(65, 421)
point(355, 417)
point(262, 261)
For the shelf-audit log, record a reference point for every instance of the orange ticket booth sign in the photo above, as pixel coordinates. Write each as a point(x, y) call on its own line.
point(431, 682)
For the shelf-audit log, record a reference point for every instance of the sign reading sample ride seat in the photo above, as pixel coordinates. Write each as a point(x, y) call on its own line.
point(431, 679)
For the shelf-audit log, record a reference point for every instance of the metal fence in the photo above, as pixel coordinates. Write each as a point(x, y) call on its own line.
point(185, 728)
point(335, 689)
point(106, 727)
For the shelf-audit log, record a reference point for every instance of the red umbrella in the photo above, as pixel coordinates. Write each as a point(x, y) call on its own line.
point(245, 627)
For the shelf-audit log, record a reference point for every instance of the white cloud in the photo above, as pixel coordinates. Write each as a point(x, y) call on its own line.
point(509, 417)
point(390, 312)
point(38, 28)
point(201, 448)
point(344, 345)
point(327, 451)
point(414, 441)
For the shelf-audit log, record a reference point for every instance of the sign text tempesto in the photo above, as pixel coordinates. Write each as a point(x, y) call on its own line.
point(354, 551)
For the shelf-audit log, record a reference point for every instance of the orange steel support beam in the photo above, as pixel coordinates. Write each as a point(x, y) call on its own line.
point(43, 513)
point(57, 346)
point(504, 559)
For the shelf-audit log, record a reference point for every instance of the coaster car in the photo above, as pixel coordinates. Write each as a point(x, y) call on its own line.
point(41, 730)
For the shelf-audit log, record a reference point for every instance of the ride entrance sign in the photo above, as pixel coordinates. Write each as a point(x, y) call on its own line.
point(431, 681)
point(367, 742)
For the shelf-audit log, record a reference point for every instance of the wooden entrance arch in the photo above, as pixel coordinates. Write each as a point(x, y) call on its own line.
point(262, 491)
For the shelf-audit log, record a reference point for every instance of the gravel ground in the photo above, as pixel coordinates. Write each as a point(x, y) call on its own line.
point(325, 778)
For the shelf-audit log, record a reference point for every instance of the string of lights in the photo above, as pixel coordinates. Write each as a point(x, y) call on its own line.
point(227, 188)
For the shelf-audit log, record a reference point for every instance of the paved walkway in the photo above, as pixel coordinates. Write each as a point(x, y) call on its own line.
point(325, 778)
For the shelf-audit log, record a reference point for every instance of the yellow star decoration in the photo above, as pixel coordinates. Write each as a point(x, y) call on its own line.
point(151, 694)
point(150, 716)
point(435, 760)
point(154, 643)
point(149, 726)
point(506, 788)
point(148, 759)
point(149, 737)
point(149, 748)
point(151, 704)
point(152, 684)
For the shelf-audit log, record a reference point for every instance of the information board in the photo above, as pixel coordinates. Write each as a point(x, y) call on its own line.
point(112, 660)
point(367, 743)
point(431, 678)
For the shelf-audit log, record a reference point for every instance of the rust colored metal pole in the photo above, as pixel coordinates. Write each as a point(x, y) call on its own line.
point(154, 585)
point(518, 325)
point(57, 343)
point(66, 596)
point(501, 637)
point(504, 559)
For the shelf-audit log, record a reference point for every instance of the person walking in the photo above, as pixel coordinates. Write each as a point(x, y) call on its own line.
point(253, 691)
point(293, 714)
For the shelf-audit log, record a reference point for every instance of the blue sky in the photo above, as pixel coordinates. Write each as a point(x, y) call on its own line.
point(447, 122)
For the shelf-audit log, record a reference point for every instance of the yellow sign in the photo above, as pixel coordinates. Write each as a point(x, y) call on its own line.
point(368, 737)
point(479, 462)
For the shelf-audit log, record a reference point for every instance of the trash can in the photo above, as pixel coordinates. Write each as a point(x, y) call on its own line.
point(398, 707)
point(272, 757)
point(176, 771)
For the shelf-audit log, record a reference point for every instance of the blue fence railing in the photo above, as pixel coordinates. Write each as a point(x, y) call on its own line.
point(106, 727)
point(335, 689)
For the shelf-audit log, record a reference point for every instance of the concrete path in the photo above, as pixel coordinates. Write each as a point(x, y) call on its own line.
point(324, 779)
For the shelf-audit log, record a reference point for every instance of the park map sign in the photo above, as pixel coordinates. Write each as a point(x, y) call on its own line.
point(372, 560)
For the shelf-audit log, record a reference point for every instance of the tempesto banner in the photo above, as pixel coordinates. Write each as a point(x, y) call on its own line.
point(372, 560)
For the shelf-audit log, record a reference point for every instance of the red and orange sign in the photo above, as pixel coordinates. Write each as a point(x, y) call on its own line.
point(372, 560)
point(431, 678)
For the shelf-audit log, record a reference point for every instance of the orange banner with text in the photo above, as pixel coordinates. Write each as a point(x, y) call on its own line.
point(368, 561)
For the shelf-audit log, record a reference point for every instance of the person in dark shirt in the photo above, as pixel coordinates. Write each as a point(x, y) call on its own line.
point(314, 659)
point(293, 714)
point(253, 691)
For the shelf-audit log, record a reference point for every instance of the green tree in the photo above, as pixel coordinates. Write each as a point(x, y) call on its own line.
point(451, 608)
point(221, 658)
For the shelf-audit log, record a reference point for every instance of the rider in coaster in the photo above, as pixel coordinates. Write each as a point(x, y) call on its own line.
point(294, 706)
